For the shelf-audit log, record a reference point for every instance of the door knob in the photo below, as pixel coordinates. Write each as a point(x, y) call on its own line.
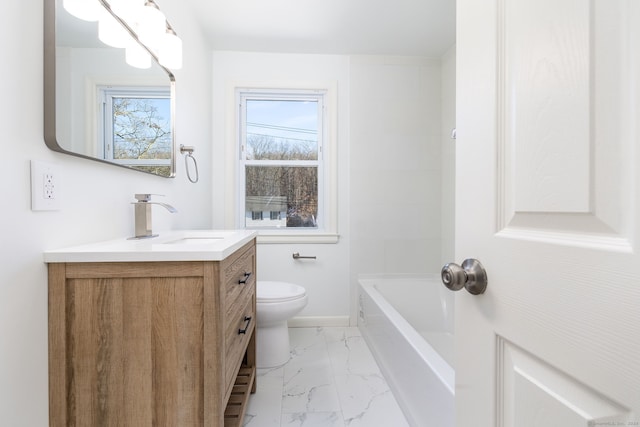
point(471, 276)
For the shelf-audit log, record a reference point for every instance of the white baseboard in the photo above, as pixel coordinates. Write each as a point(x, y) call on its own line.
point(318, 321)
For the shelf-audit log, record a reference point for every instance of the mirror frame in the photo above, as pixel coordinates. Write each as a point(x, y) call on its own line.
point(50, 137)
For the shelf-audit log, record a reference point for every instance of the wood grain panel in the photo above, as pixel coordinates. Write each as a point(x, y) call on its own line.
point(213, 359)
point(82, 347)
point(177, 352)
point(234, 267)
point(234, 291)
point(107, 317)
point(146, 348)
point(58, 390)
point(95, 351)
point(236, 343)
point(134, 269)
point(138, 366)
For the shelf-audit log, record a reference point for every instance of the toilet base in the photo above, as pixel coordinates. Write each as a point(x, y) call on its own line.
point(272, 345)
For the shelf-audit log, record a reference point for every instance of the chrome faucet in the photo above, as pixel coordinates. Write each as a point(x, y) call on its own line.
point(143, 215)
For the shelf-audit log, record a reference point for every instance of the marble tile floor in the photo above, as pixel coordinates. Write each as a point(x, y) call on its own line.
point(331, 380)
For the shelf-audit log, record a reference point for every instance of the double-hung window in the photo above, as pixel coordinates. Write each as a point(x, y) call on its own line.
point(281, 140)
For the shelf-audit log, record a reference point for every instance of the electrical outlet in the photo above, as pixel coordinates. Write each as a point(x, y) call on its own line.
point(49, 185)
point(45, 186)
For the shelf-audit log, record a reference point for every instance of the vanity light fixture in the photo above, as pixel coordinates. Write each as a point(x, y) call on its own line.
point(151, 25)
point(137, 56)
point(144, 18)
point(111, 32)
point(128, 10)
point(170, 51)
point(87, 10)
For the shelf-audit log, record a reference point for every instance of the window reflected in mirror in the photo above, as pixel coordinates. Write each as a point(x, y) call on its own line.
point(136, 130)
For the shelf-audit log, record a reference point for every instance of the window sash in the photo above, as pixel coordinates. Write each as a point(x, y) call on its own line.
point(277, 95)
point(107, 94)
point(291, 163)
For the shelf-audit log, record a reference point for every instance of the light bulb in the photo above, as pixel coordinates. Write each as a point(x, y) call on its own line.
point(87, 10)
point(128, 10)
point(137, 56)
point(111, 32)
point(170, 51)
point(152, 25)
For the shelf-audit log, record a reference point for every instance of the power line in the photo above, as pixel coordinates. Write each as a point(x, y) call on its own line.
point(286, 138)
point(286, 128)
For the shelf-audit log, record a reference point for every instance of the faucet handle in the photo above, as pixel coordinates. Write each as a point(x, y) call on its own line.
point(145, 197)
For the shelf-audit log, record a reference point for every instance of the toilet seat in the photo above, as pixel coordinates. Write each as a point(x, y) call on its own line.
point(274, 292)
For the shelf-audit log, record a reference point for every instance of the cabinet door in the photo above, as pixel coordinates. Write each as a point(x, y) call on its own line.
point(126, 350)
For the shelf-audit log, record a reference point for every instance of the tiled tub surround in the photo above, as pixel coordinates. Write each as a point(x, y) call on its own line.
point(331, 380)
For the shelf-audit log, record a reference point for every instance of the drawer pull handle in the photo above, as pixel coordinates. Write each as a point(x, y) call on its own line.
point(246, 327)
point(245, 280)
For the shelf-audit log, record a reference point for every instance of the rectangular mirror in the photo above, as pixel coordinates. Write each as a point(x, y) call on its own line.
point(99, 107)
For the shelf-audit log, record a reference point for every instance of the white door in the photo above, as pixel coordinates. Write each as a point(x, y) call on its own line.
point(547, 198)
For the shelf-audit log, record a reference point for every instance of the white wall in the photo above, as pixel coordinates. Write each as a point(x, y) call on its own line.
point(96, 197)
point(326, 278)
point(395, 165)
point(448, 205)
point(389, 169)
point(448, 84)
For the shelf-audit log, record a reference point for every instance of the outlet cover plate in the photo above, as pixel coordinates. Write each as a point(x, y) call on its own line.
point(45, 186)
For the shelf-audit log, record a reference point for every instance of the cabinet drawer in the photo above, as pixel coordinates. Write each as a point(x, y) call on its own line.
point(237, 336)
point(239, 280)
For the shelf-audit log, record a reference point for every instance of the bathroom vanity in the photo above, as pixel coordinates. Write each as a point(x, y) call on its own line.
point(153, 332)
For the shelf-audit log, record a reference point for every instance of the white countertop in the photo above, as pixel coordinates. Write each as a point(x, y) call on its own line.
point(184, 245)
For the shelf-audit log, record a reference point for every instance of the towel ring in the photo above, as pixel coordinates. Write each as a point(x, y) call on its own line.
point(188, 150)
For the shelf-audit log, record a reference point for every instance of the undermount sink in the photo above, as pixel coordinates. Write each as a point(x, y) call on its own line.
point(194, 240)
point(200, 238)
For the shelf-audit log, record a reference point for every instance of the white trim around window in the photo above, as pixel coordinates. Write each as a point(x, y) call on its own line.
point(327, 231)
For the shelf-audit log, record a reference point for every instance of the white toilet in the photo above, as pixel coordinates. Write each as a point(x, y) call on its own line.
point(276, 302)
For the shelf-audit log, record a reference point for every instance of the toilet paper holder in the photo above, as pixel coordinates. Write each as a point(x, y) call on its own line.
point(296, 255)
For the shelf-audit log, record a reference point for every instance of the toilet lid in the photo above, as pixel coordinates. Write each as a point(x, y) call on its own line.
point(278, 291)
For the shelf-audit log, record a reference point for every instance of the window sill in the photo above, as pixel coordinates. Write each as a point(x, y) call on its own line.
point(270, 237)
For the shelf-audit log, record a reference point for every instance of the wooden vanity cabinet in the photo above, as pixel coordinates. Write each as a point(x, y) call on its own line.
point(152, 343)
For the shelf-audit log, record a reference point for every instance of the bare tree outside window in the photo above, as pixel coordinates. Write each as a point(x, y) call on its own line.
point(140, 132)
point(281, 153)
point(138, 129)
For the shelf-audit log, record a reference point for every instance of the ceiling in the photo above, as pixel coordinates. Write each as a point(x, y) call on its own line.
point(368, 27)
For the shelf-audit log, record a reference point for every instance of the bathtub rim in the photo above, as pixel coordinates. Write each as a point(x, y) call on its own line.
point(438, 365)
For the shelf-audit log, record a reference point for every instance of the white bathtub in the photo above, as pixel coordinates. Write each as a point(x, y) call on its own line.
point(408, 323)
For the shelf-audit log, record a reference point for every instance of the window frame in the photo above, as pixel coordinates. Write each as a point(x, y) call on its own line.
point(326, 230)
point(105, 94)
